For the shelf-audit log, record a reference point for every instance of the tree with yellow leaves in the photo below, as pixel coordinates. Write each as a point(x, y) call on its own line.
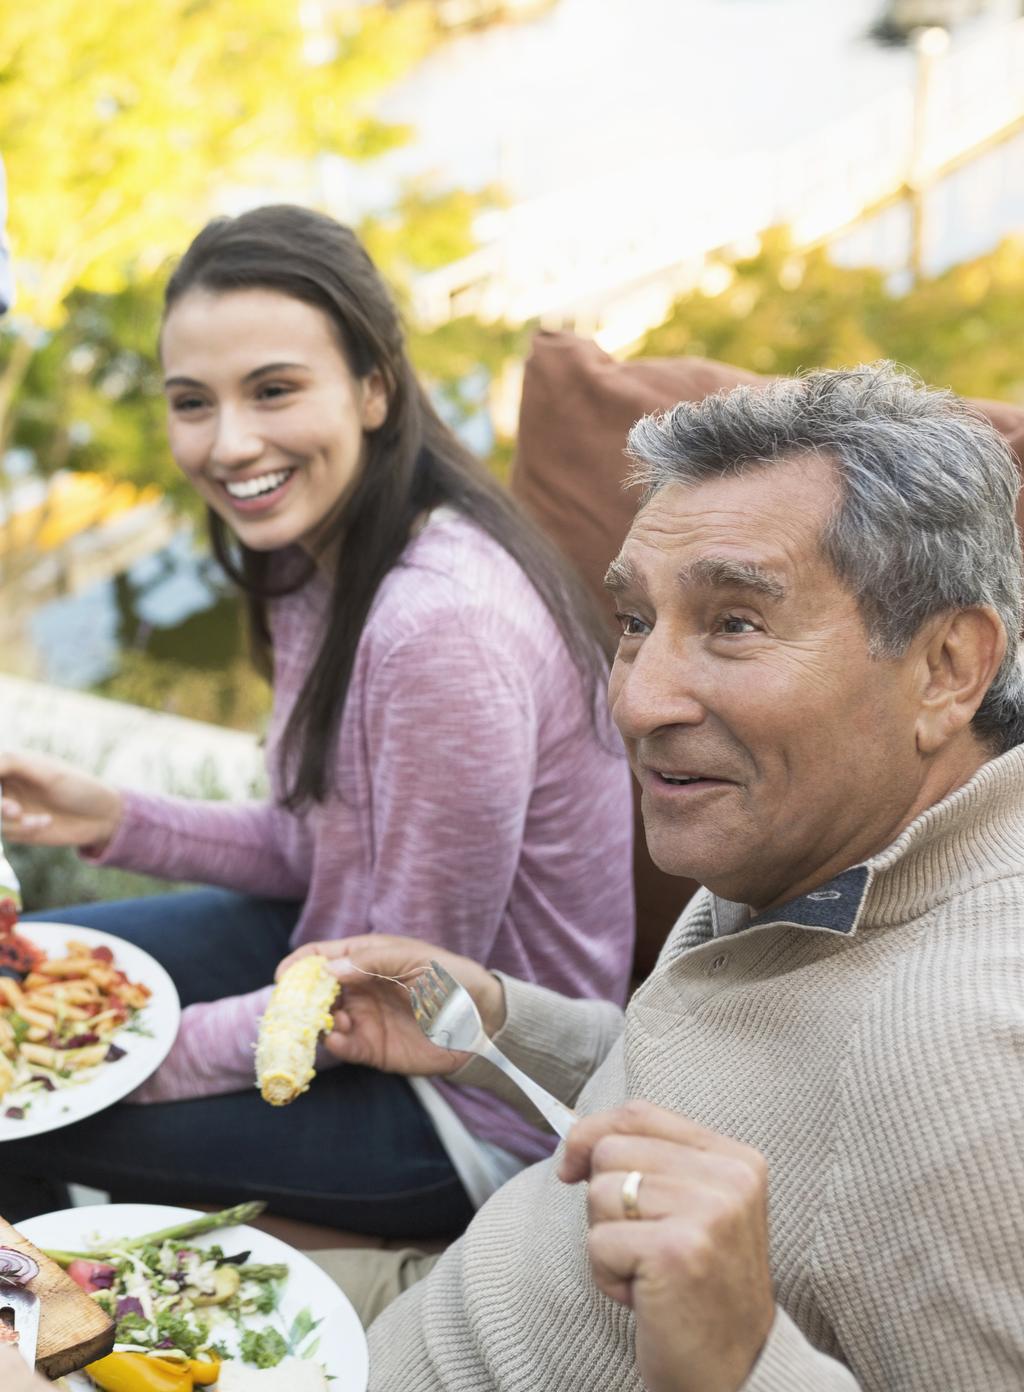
point(122, 124)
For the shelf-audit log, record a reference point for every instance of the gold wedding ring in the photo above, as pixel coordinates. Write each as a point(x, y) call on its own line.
point(631, 1194)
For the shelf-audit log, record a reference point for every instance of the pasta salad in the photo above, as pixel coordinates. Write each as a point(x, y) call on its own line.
point(58, 1018)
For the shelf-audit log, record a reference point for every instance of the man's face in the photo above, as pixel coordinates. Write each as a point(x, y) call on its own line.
point(743, 666)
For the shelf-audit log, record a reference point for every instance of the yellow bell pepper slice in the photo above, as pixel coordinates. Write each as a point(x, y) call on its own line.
point(136, 1372)
point(204, 1371)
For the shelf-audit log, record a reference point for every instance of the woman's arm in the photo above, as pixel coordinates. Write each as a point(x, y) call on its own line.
point(253, 847)
point(451, 734)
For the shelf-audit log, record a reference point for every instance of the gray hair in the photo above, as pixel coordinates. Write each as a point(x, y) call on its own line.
point(926, 524)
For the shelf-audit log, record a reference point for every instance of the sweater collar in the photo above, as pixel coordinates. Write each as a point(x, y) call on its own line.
point(972, 836)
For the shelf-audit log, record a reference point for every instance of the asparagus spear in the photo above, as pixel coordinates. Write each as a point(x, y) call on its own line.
point(192, 1227)
point(259, 1271)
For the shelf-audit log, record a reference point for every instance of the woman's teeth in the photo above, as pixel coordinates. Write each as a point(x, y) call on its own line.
point(254, 487)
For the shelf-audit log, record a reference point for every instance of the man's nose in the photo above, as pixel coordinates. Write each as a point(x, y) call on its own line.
point(236, 442)
point(654, 690)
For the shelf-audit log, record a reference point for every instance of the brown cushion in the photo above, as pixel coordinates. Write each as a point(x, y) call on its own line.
point(577, 407)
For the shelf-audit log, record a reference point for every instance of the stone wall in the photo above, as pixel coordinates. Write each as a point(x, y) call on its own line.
point(128, 745)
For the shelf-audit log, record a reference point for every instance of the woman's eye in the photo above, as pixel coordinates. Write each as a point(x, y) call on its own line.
point(271, 391)
point(184, 404)
point(631, 626)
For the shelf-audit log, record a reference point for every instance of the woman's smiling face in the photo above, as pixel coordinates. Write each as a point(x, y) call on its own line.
point(265, 417)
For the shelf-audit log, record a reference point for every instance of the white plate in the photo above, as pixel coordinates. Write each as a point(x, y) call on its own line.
point(342, 1351)
point(143, 1052)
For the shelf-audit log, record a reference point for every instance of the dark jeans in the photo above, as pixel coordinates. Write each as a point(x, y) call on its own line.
point(356, 1151)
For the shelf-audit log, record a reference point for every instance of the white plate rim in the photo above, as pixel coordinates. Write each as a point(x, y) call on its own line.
point(70, 1227)
point(143, 1056)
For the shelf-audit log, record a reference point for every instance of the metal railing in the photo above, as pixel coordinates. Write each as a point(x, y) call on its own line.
point(557, 254)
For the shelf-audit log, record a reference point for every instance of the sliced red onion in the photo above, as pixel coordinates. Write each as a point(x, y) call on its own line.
point(15, 1113)
point(129, 1305)
point(103, 1275)
point(16, 1267)
point(79, 1041)
point(114, 1052)
point(92, 1275)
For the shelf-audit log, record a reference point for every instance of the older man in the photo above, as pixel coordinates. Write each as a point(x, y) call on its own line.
point(800, 1163)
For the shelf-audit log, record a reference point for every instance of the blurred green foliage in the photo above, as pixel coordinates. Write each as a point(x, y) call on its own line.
point(124, 125)
point(233, 695)
point(121, 121)
point(786, 309)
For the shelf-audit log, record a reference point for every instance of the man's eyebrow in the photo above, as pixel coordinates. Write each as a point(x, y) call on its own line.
point(249, 376)
point(622, 575)
point(719, 572)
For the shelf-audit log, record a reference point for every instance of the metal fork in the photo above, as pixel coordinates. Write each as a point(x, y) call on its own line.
point(447, 1015)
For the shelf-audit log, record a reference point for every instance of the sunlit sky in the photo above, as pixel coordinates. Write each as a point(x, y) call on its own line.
point(578, 92)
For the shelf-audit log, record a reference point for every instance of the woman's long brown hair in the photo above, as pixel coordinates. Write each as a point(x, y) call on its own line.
point(413, 462)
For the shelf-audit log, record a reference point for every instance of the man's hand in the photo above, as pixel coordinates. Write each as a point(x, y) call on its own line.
point(374, 1024)
point(47, 802)
point(693, 1264)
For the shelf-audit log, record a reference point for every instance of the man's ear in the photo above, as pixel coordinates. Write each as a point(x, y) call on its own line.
point(375, 400)
point(961, 658)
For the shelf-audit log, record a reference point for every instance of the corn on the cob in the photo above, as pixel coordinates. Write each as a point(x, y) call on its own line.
point(298, 1012)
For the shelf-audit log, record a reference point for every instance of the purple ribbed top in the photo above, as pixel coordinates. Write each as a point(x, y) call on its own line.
point(479, 808)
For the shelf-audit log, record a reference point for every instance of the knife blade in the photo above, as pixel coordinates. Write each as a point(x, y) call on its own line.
point(9, 886)
point(19, 1311)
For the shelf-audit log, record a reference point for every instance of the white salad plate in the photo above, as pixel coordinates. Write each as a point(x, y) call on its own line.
point(338, 1343)
point(146, 1041)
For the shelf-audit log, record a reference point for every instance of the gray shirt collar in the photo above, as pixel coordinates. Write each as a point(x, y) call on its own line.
point(832, 908)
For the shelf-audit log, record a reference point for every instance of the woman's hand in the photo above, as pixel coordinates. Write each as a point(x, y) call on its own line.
point(374, 1024)
point(49, 803)
point(16, 1375)
point(692, 1259)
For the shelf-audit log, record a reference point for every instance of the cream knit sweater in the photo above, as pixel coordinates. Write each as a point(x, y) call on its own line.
point(879, 1068)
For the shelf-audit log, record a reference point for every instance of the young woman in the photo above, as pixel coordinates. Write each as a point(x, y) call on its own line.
point(438, 756)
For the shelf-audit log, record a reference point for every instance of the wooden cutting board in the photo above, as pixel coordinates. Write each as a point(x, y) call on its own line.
point(73, 1330)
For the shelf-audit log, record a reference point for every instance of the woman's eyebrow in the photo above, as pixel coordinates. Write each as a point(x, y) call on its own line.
point(274, 367)
point(249, 376)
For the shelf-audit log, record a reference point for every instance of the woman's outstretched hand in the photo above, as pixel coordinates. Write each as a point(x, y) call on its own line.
point(49, 803)
point(373, 1023)
point(16, 1375)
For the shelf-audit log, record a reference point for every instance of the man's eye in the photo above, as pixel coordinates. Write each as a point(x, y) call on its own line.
point(631, 626)
point(732, 623)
